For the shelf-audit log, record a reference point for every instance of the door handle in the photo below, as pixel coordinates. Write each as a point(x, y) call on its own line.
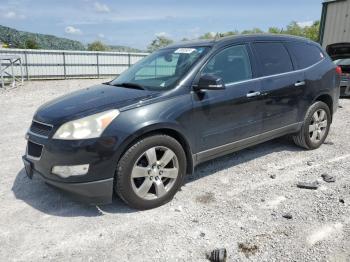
point(253, 94)
point(299, 83)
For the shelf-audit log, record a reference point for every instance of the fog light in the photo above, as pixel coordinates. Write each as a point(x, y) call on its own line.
point(67, 171)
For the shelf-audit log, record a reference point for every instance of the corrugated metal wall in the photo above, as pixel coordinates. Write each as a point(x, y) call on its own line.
point(50, 64)
point(337, 23)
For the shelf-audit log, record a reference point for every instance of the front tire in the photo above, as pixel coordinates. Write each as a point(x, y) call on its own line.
point(150, 172)
point(315, 128)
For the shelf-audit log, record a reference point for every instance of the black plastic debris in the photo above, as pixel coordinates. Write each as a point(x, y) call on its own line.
point(328, 143)
point(307, 185)
point(341, 200)
point(287, 216)
point(327, 178)
point(273, 176)
point(218, 255)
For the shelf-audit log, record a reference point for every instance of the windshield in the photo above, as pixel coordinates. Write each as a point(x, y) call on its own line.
point(161, 70)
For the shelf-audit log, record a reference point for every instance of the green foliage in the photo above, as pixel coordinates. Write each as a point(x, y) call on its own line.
point(31, 43)
point(293, 28)
point(97, 46)
point(20, 39)
point(252, 31)
point(159, 42)
point(275, 30)
point(120, 48)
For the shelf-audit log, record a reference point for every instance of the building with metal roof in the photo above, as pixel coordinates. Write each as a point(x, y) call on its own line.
point(335, 22)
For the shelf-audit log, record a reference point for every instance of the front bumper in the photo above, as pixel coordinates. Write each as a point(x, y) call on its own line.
point(96, 186)
point(95, 192)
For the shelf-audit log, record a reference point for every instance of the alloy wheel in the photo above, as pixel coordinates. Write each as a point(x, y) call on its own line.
point(154, 173)
point(318, 126)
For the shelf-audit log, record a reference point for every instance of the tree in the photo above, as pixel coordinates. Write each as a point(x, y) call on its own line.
point(31, 43)
point(294, 29)
point(97, 46)
point(275, 30)
point(159, 42)
point(209, 35)
point(312, 32)
point(252, 31)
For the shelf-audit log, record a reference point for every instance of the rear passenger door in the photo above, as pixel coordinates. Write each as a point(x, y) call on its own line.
point(282, 87)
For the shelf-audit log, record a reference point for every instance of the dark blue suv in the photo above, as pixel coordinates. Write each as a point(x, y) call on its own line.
point(140, 134)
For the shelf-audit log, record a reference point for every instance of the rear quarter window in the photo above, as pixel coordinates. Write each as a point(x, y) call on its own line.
point(273, 57)
point(305, 54)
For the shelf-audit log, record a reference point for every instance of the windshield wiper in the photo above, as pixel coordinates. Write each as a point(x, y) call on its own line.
point(128, 85)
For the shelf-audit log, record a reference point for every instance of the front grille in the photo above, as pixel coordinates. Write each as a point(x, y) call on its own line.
point(40, 129)
point(34, 150)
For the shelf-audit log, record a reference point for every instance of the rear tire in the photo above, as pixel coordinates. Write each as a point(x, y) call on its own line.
point(315, 128)
point(150, 172)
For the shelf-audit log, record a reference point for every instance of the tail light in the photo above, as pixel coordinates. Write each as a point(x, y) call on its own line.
point(338, 70)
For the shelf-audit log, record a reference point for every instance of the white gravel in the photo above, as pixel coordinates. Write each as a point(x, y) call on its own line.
point(230, 202)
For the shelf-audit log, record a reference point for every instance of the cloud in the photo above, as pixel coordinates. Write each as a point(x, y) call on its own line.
point(162, 34)
point(13, 15)
point(101, 8)
point(305, 23)
point(101, 35)
point(72, 30)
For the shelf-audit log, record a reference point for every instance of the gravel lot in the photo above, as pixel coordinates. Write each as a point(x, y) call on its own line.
point(237, 202)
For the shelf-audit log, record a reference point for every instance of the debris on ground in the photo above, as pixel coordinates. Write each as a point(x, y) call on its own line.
point(341, 200)
point(328, 143)
point(308, 185)
point(178, 209)
point(310, 163)
point(273, 176)
point(328, 178)
point(287, 216)
point(217, 255)
point(248, 249)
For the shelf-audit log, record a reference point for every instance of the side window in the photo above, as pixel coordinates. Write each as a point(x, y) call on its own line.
point(231, 64)
point(274, 58)
point(305, 54)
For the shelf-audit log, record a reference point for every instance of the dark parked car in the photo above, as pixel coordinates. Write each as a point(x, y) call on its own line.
point(140, 134)
point(340, 53)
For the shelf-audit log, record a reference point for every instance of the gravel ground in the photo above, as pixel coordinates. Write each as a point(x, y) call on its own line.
point(237, 202)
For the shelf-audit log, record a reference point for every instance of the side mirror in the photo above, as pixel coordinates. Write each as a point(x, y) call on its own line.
point(210, 82)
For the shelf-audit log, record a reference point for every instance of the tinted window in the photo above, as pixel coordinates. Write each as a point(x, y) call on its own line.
point(231, 64)
point(305, 54)
point(274, 58)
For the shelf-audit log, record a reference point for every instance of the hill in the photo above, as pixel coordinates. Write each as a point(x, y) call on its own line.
point(121, 48)
point(20, 39)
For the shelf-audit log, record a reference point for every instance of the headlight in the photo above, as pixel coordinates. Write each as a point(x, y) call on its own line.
point(87, 127)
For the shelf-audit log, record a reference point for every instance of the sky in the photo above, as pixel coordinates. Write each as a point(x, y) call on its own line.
point(136, 23)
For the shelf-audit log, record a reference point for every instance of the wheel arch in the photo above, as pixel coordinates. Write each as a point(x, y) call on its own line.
point(155, 129)
point(328, 100)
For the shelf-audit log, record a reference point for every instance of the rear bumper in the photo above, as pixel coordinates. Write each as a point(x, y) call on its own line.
point(94, 192)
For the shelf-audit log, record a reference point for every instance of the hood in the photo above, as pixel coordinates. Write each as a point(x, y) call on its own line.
point(89, 101)
point(338, 51)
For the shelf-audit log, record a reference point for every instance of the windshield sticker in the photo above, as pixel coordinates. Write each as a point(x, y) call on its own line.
point(185, 50)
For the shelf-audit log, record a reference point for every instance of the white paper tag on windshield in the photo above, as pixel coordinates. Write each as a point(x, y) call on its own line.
point(185, 50)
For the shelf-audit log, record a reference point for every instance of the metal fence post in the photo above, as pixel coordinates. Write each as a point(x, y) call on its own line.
point(98, 66)
point(26, 63)
point(64, 65)
point(129, 60)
